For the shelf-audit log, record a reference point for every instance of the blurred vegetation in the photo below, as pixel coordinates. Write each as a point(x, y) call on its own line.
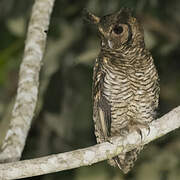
point(63, 119)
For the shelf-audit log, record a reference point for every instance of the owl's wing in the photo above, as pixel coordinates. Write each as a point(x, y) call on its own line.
point(102, 109)
point(104, 115)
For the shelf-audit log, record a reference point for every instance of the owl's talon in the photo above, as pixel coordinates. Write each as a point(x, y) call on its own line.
point(146, 126)
point(109, 140)
point(140, 133)
point(148, 131)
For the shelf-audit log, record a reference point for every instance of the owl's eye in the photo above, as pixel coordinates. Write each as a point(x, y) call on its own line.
point(118, 29)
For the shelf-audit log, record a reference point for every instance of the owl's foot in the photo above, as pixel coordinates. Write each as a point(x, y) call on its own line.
point(137, 126)
point(109, 141)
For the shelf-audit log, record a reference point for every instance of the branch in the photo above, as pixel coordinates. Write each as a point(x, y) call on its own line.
point(90, 155)
point(27, 92)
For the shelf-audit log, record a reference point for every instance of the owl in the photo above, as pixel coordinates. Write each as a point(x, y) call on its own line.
point(125, 82)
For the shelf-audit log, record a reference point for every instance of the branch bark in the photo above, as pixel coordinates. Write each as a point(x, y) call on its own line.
point(27, 92)
point(90, 155)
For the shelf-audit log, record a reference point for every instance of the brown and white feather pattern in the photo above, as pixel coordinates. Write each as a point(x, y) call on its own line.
point(131, 91)
point(125, 83)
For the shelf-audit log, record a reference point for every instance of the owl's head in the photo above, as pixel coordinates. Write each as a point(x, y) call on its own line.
point(118, 29)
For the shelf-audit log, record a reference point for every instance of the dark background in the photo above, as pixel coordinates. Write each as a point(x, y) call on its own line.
point(63, 118)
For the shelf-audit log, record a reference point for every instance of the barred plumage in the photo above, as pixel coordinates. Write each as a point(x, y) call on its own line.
point(125, 88)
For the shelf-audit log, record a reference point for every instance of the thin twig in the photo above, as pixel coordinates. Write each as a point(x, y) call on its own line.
point(27, 92)
point(93, 154)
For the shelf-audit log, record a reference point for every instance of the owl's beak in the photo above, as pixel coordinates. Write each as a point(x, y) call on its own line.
point(90, 17)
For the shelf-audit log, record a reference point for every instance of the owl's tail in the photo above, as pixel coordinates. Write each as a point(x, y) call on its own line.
point(125, 162)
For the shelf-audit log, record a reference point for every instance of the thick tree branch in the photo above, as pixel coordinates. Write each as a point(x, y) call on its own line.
point(90, 155)
point(27, 92)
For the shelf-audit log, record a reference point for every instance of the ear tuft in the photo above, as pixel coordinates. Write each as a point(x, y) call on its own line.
point(89, 17)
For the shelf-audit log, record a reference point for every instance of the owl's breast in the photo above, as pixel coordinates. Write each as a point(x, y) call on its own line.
point(130, 93)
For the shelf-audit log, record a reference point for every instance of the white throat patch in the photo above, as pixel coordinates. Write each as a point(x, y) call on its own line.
point(110, 44)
